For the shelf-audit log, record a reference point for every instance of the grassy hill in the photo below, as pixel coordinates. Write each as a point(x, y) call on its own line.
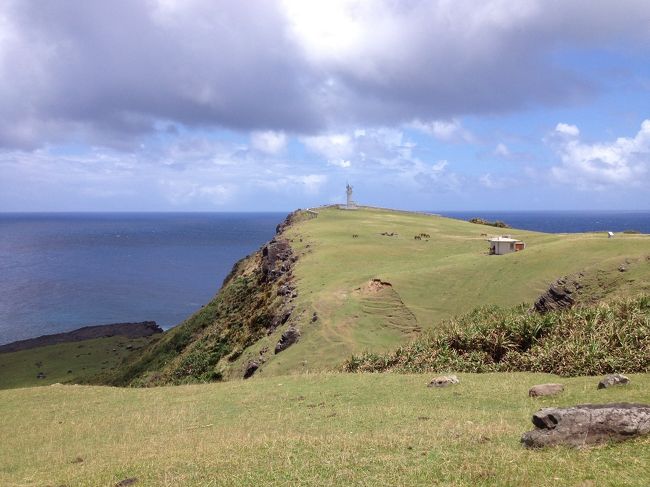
point(430, 279)
point(363, 283)
point(311, 430)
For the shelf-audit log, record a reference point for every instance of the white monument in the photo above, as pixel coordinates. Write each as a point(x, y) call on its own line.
point(350, 204)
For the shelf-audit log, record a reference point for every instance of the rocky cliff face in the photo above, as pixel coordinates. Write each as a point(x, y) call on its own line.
point(560, 295)
point(255, 300)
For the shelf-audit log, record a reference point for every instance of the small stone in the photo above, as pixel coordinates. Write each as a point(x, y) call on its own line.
point(443, 381)
point(126, 482)
point(545, 390)
point(613, 380)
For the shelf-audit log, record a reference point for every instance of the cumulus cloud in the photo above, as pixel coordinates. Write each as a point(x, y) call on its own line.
point(269, 141)
point(502, 150)
point(192, 172)
point(444, 130)
point(367, 148)
point(109, 72)
point(491, 181)
point(430, 177)
point(331, 146)
point(181, 192)
point(622, 162)
point(384, 155)
point(566, 129)
point(342, 163)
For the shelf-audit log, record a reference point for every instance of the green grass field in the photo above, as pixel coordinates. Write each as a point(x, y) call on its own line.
point(431, 280)
point(83, 359)
point(319, 430)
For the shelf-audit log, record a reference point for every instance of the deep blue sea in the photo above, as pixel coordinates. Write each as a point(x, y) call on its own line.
point(63, 271)
point(564, 221)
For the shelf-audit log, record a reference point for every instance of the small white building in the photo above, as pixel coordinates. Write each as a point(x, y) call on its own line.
point(505, 245)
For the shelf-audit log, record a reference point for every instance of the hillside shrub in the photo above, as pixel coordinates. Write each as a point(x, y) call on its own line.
point(496, 223)
point(599, 339)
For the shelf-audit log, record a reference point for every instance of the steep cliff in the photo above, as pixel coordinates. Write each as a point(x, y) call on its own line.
point(254, 301)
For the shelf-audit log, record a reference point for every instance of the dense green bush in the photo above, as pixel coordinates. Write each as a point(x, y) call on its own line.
point(497, 223)
point(609, 337)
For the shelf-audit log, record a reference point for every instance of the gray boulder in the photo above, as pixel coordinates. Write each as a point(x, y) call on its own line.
point(587, 424)
point(613, 380)
point(288, 338)
point(443, 381)
point(545, 390)
point(250, 369)
point(560, 295)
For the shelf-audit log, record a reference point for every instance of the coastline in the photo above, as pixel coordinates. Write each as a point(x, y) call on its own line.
point(128, 330)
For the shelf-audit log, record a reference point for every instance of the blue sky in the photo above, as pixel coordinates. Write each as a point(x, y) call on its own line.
point(169, 105)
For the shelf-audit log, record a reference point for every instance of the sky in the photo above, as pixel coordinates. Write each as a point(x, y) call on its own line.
point(272, 105)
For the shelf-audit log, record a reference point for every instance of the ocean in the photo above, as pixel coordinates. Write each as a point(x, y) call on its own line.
point(563, 221)
point(59, 272)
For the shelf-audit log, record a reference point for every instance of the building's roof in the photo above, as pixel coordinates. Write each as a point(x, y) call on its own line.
point(503, 239)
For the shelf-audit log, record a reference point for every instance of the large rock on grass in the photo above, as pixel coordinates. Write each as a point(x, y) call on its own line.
point(588, 424)
point(545, 390)
point(613, 380)
point(443, 381)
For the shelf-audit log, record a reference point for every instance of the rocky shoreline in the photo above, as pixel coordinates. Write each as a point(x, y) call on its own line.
point(128, 330)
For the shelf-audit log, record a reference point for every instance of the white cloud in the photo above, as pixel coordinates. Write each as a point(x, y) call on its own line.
point(331, 146)
point(427, 177)
point(444, 130)
point(496, 182)
point(502, 150)
point(625, 161)
point(342, 163)
point(566, 129)
point(311, 182)
point(440, 165)
point(269, 142)
point(181, 192)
